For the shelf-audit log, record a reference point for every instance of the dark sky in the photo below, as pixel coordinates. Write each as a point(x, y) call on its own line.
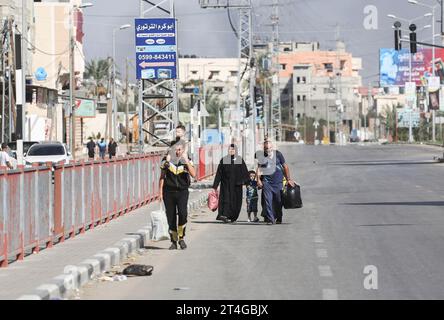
point(207, 32)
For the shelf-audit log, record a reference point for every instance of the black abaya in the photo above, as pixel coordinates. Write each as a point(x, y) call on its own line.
point(232, 174)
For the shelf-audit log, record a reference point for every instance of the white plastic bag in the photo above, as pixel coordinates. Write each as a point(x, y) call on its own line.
point(159, 225)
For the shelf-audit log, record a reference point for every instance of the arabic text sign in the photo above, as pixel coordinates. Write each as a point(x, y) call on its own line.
point(404, 119)
point(156, 48)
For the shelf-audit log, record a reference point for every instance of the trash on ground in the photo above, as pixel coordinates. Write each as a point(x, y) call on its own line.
point(105, 278)
point(138, 270)
point(119, 278)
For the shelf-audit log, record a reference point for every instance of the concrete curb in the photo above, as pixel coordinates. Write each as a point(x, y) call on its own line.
point(74, 277)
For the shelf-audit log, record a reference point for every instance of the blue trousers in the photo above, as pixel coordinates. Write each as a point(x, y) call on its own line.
point(272, 195)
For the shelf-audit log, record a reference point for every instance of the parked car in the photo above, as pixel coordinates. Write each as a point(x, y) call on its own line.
point(47, 152)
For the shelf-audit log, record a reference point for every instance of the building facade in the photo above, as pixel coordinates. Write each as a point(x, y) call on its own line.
point(314, 82)
point(219, 77)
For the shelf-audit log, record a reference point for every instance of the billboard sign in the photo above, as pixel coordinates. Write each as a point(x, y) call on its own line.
point(395, 66)
point(404, 119)
point(85, 108)
point(156, 48)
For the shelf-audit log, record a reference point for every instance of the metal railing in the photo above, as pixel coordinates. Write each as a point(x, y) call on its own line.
point(209, 158)
point(36, 213)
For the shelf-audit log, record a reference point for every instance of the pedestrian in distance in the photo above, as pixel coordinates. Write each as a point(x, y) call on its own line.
point(102, 148)
point(112, 148)
point(272, 168)
point(91, 146)
point(5, 159)
point(175, 179)
point(252, 197)
point(231, 175)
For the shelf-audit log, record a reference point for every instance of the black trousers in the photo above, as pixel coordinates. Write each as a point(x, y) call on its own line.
point(176, 204)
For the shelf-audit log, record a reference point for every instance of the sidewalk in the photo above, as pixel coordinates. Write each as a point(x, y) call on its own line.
point(23, 277)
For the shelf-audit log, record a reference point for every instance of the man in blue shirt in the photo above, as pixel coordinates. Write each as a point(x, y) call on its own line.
point(272, 169)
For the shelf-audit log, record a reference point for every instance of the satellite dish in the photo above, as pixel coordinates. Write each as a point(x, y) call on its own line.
point(41, 74)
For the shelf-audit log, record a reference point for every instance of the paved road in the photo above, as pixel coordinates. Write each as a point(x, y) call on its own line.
point(363, 205)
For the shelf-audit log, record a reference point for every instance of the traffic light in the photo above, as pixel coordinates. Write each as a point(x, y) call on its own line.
point(398, 45)
point(259, 102)
point(413, 48)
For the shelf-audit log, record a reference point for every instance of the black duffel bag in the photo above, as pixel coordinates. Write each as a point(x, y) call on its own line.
point(291, 197)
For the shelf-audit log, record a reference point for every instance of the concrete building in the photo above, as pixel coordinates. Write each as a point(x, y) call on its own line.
point(52, 24)
point(218, 75)
point(312, 80)
point(52, 30)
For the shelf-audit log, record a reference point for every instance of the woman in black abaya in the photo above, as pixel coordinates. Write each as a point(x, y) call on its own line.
point(232, 174)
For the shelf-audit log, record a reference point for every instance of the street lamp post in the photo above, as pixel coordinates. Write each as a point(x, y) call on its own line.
point(72, 84)
point(409, 22)
point(114, 96)
point(433, 8)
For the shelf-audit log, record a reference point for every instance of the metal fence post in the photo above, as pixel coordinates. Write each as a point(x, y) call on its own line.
point(4, 238)
point(21, 254)
point(82, 201)
point(36, 211)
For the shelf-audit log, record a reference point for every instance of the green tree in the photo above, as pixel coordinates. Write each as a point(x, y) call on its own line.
point(98, 70)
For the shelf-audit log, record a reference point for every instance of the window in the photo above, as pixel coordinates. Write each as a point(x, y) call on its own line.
point(304, 79)
point(283, 66)
point(299, 98)
point(193, 72)
point(218, 89)
point(328, 67)
point(304, 98)
point(47, 150)
point(298, 80)
point(233, 73)
point(343, 64)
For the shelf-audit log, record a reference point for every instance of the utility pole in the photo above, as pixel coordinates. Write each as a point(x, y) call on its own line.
point(165, 89)
point(276, 112)
point(72, 84)
point(109, 111)
point(127, 105)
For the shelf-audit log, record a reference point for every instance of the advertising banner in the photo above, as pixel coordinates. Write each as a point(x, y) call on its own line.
point(156, 48)
point(395, 66)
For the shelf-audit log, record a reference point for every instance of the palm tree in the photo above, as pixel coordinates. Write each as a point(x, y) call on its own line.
point(98, 70)
point(389, 118)
point(97, 76)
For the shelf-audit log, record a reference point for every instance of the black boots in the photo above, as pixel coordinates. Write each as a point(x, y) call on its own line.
point(173, 245)
point(182, 244)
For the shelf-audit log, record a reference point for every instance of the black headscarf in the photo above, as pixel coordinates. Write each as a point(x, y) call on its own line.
point(233, 157)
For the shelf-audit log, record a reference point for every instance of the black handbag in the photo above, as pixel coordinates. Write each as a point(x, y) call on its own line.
point(292, 197)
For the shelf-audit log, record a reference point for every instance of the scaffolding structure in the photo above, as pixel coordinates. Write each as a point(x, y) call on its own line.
point(7, 76)
point(245, 94)
point(157, 98)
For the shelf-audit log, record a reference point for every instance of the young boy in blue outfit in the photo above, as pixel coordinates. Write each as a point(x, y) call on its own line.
point(252, 197)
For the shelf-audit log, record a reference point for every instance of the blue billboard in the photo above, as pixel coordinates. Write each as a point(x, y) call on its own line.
point(394, 66)
point(156, 48)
